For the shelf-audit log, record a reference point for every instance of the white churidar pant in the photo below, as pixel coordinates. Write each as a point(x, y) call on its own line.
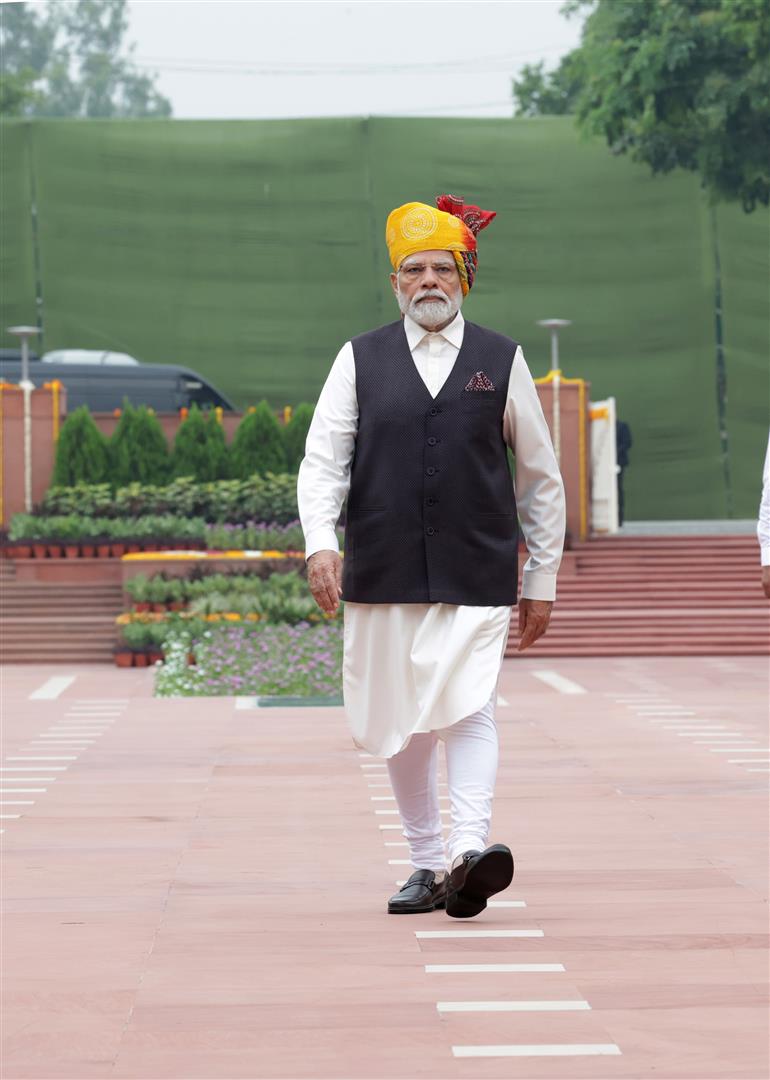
point(471, 750)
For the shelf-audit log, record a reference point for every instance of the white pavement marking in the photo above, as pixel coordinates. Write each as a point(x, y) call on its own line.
point(743, 749)
point(390, 826)
point(513, 1006)
point(20, 790)
point(506, 903)
point(559, 682)
point(54, 757)
point(759, 770)
point(462, 969)
point(745, 761)
point(396, 843)
point(712, 735)
point(17, 802)
point(3, 816)
point(539, 1050)
point(399, 862)
point(501, 700)
point(26, 768)
point(246, 703)
point(372, 766)
point(478, 933)
point(51, 688)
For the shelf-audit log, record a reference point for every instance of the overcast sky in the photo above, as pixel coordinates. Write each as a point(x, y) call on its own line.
point(248, 59)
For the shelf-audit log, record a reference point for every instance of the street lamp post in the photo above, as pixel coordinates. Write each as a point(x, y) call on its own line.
point(554, 325)
point(25, 333)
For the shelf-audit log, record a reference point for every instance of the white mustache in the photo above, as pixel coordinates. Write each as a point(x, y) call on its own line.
point(432, 296)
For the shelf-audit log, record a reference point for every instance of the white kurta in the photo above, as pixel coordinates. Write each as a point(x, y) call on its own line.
point(423, 667)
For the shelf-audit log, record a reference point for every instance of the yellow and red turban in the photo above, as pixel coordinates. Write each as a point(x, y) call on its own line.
point(416, 226)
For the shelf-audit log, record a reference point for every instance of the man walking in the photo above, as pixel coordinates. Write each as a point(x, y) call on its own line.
point(413, 425)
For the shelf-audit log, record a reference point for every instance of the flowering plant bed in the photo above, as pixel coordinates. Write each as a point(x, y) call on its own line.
point(260, 659)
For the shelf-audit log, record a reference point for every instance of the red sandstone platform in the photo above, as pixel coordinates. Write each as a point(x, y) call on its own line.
point(199, 891)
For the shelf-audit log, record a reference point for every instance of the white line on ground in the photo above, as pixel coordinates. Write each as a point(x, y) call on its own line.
point(744, 761)
point(19, 790)
point(372, 766)
point(506, 903)
point(712, 735)
point(390, 826)
point(759, 770)
point(744, 749)
point(396, 843)
point(513, 1006)
point(399, 862)
point(539, 1050)
point(54, 757)
point(26, 768)
point(17, 802)
point(478, 933)
point(461, 969)
point(559, 682)
point(51, 688)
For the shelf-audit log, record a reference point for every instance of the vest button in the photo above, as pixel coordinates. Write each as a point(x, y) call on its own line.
point(431, 501)
point(432, 441)
point(430, 470)
point(431, 531)
point(433, 412)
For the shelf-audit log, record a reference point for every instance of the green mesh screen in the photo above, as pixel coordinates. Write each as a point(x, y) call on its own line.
point(251, 250)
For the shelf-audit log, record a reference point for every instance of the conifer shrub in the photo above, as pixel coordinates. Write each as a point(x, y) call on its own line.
point(82, 454)
point(138, 448)
point(219, 456)
point(295, 434)
point(192, 454)
point(257, 445)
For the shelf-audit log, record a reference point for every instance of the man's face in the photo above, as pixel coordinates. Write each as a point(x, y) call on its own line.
point(427, 287)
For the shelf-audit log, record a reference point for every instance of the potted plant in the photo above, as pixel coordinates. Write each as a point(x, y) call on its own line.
point(157, 634)
point(176, 594)
point(91, 528)
point(68, 529)
point(104, 539)
point(20, 546)
point(124, 656)
point(137, 638)
point(157, 592)
point(138, 589)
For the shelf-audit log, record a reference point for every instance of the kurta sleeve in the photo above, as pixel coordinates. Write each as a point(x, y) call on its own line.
point(537, 483)
point(763, 524)
point(324, 473)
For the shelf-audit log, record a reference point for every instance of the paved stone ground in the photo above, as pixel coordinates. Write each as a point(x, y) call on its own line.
point(199, 892)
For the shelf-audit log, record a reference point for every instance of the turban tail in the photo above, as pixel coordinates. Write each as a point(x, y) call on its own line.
point(452, 227)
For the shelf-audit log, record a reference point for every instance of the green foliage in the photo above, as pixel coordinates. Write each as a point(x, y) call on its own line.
point(539, 94)
point(257, 446)
point(147, 528)
point(272, 498)
point(82, 453)
point(198, 451)
point(219, 456)
point(64, 59)
point(138, 449)
point(295, 434)
point(682, 84)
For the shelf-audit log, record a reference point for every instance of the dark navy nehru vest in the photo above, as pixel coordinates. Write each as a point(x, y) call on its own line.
point(431, 514)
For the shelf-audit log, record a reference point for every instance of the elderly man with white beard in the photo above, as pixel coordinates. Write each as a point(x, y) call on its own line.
point(413, 424)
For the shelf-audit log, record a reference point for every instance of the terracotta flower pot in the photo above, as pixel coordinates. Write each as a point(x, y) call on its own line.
point(191, 659)
point(155, 655)
point(118, 550)
point(40, 551)
point(71, 551)
point(89, 550)
point(177, 605)
point(131, 547)
point(103, 551)
point(158, 607)
point(124, 658)
point(142, 605)
point(141, 659)
point(54, 551)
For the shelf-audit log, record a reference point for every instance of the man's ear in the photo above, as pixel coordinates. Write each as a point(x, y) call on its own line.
point(394, 284)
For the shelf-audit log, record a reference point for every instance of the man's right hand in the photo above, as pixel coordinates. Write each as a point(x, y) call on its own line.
point(324, 576)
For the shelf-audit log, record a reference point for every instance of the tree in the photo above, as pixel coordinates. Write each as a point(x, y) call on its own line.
point(70, 60)
point(537, 93)
point(138, 448)
point(682, 84)
point(197, 448)
point(295, 434)
point(81, 451)
point(257, 445)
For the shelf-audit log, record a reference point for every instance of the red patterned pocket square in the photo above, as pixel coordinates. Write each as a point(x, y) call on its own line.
point(480, 381)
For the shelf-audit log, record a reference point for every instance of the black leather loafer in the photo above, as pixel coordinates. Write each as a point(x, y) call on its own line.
point(419, 893)
point(480, 875)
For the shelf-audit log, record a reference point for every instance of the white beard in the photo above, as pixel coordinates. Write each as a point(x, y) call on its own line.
point(430, 313)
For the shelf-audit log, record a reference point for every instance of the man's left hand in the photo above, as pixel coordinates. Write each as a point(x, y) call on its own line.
point(534, 616)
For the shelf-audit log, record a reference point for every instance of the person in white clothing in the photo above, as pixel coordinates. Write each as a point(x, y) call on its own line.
point(763, 524)
point(413, 425)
